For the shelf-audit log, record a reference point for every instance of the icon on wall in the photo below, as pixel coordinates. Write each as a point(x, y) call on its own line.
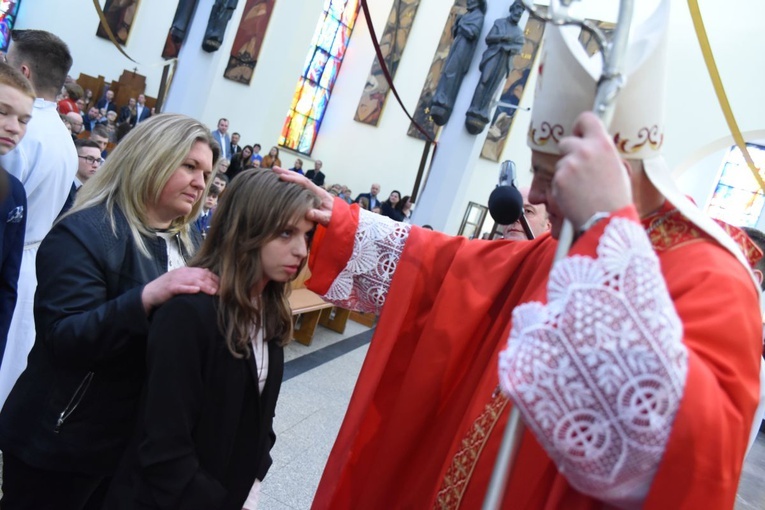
point(119, 16)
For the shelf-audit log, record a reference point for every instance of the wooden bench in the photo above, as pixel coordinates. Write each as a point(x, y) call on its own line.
point(310, 310)
point(306, 311)
point(366, 318)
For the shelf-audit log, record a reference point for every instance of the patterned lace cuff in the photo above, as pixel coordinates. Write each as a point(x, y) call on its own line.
point(364, 283)
point(598, 373)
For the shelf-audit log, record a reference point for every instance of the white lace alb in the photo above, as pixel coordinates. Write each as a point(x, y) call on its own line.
point(364, 283)
point(599, 371)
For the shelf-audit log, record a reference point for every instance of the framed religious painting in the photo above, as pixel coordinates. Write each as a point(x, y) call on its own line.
point(248, 41)
point(119, 16)
point(392, 44)
point(9, 9)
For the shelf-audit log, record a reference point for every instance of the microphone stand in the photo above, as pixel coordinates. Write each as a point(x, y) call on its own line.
point(526, 227)
point(608, 88)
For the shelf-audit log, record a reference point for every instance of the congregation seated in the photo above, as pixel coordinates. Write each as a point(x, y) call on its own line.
point(389, 209)
point(92, 119)
point(271, 159)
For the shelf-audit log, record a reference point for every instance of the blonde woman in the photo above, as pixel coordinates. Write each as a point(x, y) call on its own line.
point(215, 363)
point(102, 270)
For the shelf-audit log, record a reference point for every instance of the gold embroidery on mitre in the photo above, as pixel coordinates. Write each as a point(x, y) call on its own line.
point(465, 459)
point(546, 132)
point(651, 136)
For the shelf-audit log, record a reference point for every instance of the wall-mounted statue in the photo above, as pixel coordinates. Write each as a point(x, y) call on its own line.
point(505, 39)
point(220, 15)
point(466, 31)
point(177, 34)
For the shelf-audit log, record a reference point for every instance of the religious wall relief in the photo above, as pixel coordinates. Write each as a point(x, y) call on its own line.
point(119, 15)
point(392, 45)
point(220, 15)
point(422, 111)
point(465, 34)
point(504, 41)
point(514, 88)
point(248, 41)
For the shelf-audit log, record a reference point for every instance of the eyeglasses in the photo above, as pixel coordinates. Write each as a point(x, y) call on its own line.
point(91, 160)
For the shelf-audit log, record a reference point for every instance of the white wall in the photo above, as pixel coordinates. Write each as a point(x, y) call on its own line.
point(76, 23)
point(356, 154)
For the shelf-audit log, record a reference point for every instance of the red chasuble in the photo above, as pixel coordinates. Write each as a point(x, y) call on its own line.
point(425, 420)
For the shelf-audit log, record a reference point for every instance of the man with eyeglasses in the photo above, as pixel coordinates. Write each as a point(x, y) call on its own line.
point(89, 160)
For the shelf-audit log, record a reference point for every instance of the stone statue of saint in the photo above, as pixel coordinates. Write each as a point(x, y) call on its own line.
point(466, 30)
point(220, 15)
point(505, 39)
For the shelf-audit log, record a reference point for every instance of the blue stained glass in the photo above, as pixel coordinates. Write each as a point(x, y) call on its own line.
point(337, 8)
point(316, 69)
point(738, 199)
point(330, 73)
point(319, 103)
point(350, 13)
point(328, 32)
point(8, 11)
point(341, 42)
point(320, 70)
point(308, 137)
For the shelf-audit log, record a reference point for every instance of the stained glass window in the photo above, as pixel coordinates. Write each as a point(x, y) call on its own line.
point(8, 11)
point(738, 199)
point(319, 74)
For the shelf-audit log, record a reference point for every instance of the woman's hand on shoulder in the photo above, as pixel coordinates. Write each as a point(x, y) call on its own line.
point(184, 280)
point(323, 214)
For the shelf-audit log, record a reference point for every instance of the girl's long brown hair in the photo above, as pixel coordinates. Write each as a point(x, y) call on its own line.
point(255, 209)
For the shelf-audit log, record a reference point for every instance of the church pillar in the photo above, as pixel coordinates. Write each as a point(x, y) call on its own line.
point(458, 151)
point(198, 70)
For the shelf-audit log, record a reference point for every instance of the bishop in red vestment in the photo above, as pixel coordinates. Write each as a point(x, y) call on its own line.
point(634, 360)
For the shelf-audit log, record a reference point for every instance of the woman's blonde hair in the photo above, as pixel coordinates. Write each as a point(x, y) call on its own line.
point(138, 169)
point(256, 208)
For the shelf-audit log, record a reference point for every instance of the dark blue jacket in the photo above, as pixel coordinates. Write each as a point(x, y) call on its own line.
point(13, 222)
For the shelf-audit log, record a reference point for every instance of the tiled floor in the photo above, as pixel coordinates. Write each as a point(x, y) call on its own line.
point(312, 405)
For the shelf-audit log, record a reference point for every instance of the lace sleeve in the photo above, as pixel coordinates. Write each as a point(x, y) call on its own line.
point(598, 373)
point(364, 282)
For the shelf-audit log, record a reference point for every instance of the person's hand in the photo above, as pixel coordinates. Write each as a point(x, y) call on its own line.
point(184, 280)
point(591, 176)
point(323, 214)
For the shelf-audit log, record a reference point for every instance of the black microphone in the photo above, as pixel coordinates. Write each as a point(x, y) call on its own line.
point(506, 202)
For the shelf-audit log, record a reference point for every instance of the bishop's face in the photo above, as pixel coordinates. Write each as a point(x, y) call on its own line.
point(543, 169)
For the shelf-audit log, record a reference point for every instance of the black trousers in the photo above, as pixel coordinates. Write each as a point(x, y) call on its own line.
point(29, 488)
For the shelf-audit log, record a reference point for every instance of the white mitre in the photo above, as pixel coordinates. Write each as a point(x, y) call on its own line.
point(566, 87)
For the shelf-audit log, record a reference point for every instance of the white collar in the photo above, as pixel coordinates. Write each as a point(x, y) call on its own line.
point(44, 104)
